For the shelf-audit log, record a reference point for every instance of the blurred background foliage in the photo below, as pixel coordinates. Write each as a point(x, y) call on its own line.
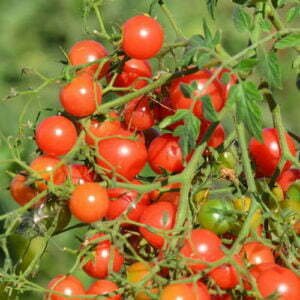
point(32, 35)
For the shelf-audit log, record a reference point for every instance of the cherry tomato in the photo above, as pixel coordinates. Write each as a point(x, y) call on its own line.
point(256, 253)
point(160, 215)
point(122, 200)
point(182, 291)
point(172, 197)
point(138, 114)
point(222, 297)
point(97, 129)
point(50, 169)
point(217, 137)
point(266, 155)
point(216, 215)
point(142, 37)
point(214, 90)
point(81, 96)
point(103, 287)
point(276, 279)
point(56, 135)
point(163, 109)
point(81, 174)
point(89, 202)
point(103, 252)
point(67, 285)
point(122, 156)
point(226, 276)
point(21, 192)
point(202, 244)
point(165, 154)
point(156, 194)
point(87, 51)
point(287, 178)
point(136, 273)
point(132, 72)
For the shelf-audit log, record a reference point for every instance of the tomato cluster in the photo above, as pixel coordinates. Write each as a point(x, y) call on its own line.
point(109, 186)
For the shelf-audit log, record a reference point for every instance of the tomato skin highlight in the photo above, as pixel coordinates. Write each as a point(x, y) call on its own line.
point(67, 285)
point(81, 96)
point(20, 191)
point(266, 155)
point(56, 135)
point(142, 38)
point(98, 266)
point(102, 287)
point(49, 168)
point(89, 202)
point(131, 72)
point(165, 154)
point(123, 156)
point(214, 90)
point(257, 253)
point(202, 244)
point(87, 51)
point(160, 215)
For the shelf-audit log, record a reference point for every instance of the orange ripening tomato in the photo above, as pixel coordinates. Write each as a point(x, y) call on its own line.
point(81, 96)
point(87, 51)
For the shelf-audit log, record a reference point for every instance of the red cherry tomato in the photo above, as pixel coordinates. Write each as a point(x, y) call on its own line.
point(222, 297)
point(87, 51)
point(165, 154)
point(67, 285)
point(81, 96)
point(279, 280)
point(122, 200)
point(142, 37)
point(122, 156)
point(132, 72)
point(98, 129)
point(172, 197)
point(182, 291)
point(81, 174)
point(214, 90)
point(256, 253)
point(103, 287)
point(49, 169)
point(56, 135)
point(217, 137)
point(202, 244)
point(160, 215)
point(287, 178)
point(226, 276)
point(21, 192)
point(138, 114)
point(103, 252)
point(89, 202)
point(266, 155)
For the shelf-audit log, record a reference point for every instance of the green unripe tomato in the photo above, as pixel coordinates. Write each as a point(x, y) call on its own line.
point(226, 160)
point(294, 191)
point(217, 216)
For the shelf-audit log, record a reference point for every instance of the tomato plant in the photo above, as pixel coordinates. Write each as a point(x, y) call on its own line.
point(169, 152)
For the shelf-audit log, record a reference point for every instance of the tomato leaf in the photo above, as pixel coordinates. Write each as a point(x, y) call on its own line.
point(242, 20)
point(188, 133)
point(270, 68)
point(178, 116)
point(209, 111)
point(211, 6)
point(291, 40)
point(246, 65)
point(293, 13)
point(247, 100)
